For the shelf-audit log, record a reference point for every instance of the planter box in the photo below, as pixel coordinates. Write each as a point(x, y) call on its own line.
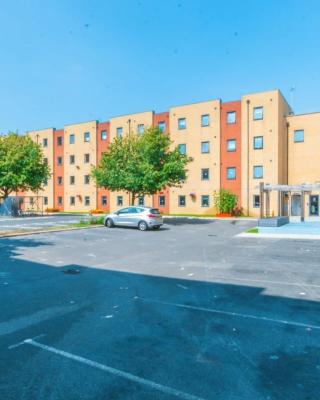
point(273, 222)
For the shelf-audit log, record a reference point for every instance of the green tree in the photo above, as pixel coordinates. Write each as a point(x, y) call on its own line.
point(225, 201)
point(141, 164)
point(22, 166)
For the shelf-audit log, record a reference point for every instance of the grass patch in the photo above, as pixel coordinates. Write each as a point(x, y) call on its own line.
point(253, 230)
point(90, 221)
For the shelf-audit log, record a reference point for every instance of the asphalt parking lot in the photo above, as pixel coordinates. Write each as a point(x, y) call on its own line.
point(11, 224)
point(187, 312)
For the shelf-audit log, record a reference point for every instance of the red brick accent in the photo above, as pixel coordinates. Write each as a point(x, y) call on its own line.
point(230, 159)
point(102, 146)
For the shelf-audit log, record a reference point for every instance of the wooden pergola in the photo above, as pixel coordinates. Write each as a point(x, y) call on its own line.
point(266, 188)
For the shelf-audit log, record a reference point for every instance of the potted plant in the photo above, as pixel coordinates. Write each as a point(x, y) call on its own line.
point(225, 202)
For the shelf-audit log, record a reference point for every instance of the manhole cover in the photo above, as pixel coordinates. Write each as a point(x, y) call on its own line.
point(71, 271)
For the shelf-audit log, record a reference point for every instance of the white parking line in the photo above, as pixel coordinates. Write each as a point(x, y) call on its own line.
point(113, 371)
point(232, 314)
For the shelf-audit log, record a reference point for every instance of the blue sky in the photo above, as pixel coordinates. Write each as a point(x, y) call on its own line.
point(66, 61)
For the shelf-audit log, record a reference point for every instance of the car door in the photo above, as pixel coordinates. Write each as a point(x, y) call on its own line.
point(132, 216)
point(122, 217)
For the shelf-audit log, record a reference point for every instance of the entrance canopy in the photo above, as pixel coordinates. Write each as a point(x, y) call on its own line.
point(291, 199)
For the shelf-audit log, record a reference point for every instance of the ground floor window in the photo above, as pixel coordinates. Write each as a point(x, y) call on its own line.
point(31, 201)
point(182, 201)
point(205, 202)
point(314, 204)
point(87, 201)
point(162, 201)
point(45, 201)
point(104, 200)
point(59, 200)
point(119, 201)
point(141, 200)
point(72, 201)
point(256, 200)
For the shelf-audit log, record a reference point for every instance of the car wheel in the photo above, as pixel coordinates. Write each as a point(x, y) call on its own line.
point(143, 226)
point(109, 223)
point(156, 227)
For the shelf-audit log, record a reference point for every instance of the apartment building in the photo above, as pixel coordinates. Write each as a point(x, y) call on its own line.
point(234, 145)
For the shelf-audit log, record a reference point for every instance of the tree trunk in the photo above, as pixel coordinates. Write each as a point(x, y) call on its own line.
point(133, 197)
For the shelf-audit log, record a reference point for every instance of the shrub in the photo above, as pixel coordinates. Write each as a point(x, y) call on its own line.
point(52, 210)
point(225, 201)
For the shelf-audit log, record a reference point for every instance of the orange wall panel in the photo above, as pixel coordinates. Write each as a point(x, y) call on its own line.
point(102, 146)
point(227, 158)
point(162, 117)
point(58, 151)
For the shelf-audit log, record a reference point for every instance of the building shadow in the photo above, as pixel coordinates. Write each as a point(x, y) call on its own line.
point(214, 340)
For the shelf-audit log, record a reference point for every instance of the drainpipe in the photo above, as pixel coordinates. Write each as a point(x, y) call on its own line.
point(288, 152)
point(248, 163)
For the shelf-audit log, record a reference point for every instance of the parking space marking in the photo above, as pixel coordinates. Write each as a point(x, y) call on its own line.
point(231, 313)
point(116, 372)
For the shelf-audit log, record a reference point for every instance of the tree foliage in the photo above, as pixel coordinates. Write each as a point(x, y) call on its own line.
point(22, 166)
point(141, 164)
point(225, 201)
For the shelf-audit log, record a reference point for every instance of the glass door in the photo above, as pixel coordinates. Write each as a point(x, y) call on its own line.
point(314, 205)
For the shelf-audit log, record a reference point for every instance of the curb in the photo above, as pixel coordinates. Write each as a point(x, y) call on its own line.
point(48, 231)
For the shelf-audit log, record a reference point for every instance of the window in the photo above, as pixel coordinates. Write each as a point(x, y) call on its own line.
point(205, 147)
point(182, 201)
point(86, 136)
point(257, 113)
point(71, 138)
point(59, 179)
point(119, 201)
point(140, 129)
point(141, 201)
point(231, 117)
point(119, 132)
point(87, 158)
point(72, 180)
point(299, 136)
point(87, 200)
point(45, 182)
point(59, 200)
point(205, 174)
point(182, 148)
point(205, 120)
point(104, 135)
point(45, 160)
point(205, 201)
point(86, 179)
point(231, 173)
point(31, 201)
point(59, 161)
point(72, 201)
point(258, 142)
point(72, 159)
point(104, 200)
point(256, 201)
point(258, 171)
point(45, 142)
point(162, 126)
point(231, 145)
point(45, 201)
point(182, 124)
point(162, 201)
point(59, 140)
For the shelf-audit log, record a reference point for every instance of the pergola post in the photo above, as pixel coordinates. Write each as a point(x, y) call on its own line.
point(261, 200)
point(302, 206)
point(268, 203)
point(279, 203)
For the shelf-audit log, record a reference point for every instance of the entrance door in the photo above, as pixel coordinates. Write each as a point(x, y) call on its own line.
point(314, 205)
point(296, 205)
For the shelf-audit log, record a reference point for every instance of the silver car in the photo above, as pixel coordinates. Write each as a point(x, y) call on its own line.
point(136, 216)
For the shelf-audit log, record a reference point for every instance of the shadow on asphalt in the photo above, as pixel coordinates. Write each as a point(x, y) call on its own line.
point(187, 221)
point(139, 323)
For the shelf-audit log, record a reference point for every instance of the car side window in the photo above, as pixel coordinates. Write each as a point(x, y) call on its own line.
point(133, 210)
point(124, 211)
